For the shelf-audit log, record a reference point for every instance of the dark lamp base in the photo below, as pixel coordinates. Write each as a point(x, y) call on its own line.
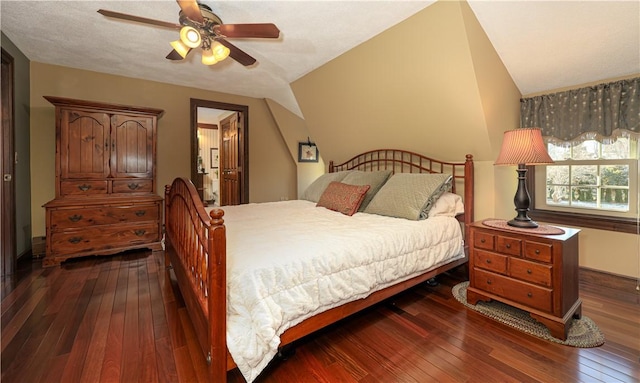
point(525, 224)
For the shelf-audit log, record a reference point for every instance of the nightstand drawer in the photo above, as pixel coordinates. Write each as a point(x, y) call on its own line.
point(537, 251)
point(508, 245)
point(537, 273)
point(490, 261)
point(517, 291)
point(483, 240)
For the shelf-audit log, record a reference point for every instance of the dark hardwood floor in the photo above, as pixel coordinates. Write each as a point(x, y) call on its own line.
point(120, 318)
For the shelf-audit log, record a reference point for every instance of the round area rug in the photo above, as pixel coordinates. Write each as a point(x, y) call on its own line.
point(582, 332)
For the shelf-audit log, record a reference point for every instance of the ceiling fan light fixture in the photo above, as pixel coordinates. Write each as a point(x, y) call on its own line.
point(220, 52)
point(190, 36)
point(208, 58)
point(179, 47)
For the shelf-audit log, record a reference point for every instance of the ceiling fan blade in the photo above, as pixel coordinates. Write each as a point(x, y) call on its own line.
point(266, 30)
point(238, 54)
point(174, 55)
point(138, 19)
point(191, 9)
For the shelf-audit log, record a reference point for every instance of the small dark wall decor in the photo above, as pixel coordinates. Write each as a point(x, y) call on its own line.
point(307, 152)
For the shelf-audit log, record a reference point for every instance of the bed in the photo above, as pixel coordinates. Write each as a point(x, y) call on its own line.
point(257, 277)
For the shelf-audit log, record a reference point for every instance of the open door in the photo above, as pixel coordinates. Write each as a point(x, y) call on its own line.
point(231, 171)
point(233, 151)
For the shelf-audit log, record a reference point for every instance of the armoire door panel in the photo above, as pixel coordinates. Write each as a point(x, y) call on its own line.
point(84, 144)
point(132, 150)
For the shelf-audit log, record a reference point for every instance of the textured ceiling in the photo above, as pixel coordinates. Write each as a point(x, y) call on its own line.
point(544, 44)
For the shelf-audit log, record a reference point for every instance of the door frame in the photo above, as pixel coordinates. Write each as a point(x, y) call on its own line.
point(7, 166)
point(243, 130)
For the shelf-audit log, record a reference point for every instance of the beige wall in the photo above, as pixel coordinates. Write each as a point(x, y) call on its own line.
point(294, 130)
point(434, 84)
point(271, 170)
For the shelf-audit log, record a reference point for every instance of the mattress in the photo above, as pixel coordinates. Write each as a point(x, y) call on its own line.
point(290, 260)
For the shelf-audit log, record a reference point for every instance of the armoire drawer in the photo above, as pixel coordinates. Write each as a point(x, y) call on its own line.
point(132, 185)
point(80, 188)
point(98, 215)
point(101, 238)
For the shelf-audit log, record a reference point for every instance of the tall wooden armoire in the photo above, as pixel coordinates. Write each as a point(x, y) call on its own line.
point(105, 181)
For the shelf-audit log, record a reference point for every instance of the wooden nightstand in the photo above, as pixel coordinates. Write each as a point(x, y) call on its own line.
point(537, 273)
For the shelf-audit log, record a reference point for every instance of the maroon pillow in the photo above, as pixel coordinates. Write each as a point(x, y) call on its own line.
point(343, 198)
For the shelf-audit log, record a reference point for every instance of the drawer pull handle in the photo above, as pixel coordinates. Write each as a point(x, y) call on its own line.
point(482, 240)
point(488, 281)
point(140, 233)
point(537, 251)
point(84, 187)
point(75, 218)
point(140, 213)
point(508, 245)
point(75, 240)
point(133, 186)
point(488, 261)
point(529, 271)
point(529, 295)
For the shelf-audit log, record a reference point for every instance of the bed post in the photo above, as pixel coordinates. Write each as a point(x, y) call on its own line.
point(165, 239)
point(217, 300)
point(468, 196)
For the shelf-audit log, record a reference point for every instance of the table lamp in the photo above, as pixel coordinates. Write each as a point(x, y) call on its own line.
point(523, 147)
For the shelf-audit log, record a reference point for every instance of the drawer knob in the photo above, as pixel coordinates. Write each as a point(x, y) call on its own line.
point(529, 295)
point(75, 240)
point(508, 246)
point(133, 186)
point(529, 271)
point(140, 213)
point(84, 187)
point(488, 261)
point(140, 233)
point(75, 218)
point(488, 281)
point(483, 240)
point(537, 251)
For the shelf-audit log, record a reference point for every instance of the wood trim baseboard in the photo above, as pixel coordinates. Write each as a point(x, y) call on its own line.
point(609, 285)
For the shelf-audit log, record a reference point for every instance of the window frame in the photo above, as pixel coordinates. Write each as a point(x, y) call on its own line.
point(592, 221)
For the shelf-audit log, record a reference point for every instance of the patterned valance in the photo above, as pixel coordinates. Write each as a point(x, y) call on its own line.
point(602, 112)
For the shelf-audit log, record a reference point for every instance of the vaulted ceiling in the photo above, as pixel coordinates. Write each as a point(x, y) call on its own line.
point(543, 44)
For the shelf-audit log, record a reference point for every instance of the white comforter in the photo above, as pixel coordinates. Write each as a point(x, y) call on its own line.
point(287, 261)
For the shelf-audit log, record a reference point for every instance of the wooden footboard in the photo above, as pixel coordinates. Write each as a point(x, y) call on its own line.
point(195, 246)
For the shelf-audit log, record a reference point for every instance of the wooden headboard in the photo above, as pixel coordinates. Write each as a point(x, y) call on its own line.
point(402, 161)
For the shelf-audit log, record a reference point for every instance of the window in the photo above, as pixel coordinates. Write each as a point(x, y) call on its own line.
point(589, 179)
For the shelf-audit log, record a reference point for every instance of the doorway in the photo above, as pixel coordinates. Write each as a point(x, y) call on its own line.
point(7, 166)
point(233, 153)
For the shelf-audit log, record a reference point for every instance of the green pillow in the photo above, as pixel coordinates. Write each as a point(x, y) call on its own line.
point(374, 179)
point(315, 190)
point(409, 195)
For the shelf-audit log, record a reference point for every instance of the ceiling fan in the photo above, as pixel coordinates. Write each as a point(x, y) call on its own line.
point(200, 27)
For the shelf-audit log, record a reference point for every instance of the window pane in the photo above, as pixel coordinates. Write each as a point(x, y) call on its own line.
point(558, 175)
point(558, 195)
point(584, 175)
point(584, 197)
point(615, 199)
point(617, 150)
point(614, 175)
point(587, 150)
point(559, 153)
